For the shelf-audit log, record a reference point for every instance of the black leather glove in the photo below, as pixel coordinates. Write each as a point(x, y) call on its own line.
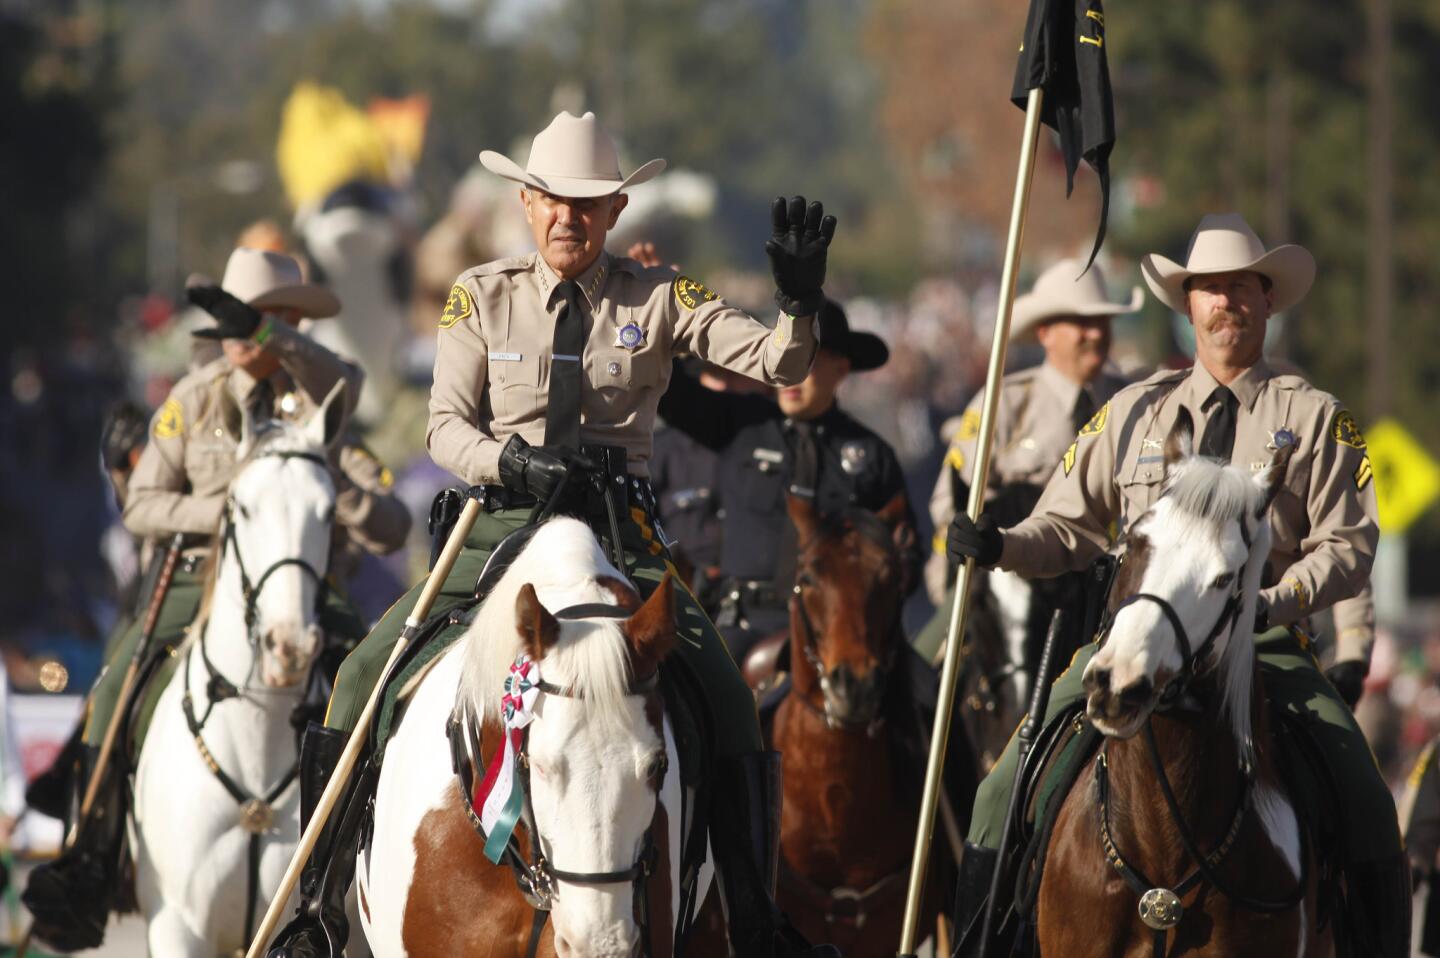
point(536, 470)
point(1349, 680)
point(797, 251)
point(981, 541)
point(234, 319)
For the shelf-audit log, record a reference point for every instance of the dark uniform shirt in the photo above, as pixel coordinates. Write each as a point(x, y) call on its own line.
point(754, 440)
point(682, 475)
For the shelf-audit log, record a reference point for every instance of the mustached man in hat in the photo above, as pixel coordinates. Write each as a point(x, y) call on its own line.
point(798, 443)
point(552, 364)
point(1068, 314)
point(1324, 526)
point(179, 485)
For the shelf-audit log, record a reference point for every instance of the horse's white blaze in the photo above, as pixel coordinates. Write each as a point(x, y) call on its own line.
point(191, 855)
point(590, 757)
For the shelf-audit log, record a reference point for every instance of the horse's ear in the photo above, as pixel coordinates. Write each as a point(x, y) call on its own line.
point(1272, 477)
point(1180, 444)
point(651, 629)
point(803, 515)
point(537, 626)
point(326, 426)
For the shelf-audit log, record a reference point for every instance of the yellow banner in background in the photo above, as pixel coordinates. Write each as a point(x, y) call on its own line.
point(326, 142)
point(1407, 478)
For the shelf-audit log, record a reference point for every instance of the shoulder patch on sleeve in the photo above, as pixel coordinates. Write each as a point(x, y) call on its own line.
point(1068, 460)
point(457, 306)
point(691, 293)
point(1096, 425)
point(969, 426)
point(1346, 431)
point(171, 421)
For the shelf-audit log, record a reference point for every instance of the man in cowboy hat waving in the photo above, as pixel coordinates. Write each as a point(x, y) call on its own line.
point(1323, 520)
point(1068, 312)
point(548, 371)
point(179, 485)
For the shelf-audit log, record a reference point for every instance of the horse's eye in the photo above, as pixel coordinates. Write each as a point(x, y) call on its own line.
point(1223, 580)
point(657, 768)
point(804, 580)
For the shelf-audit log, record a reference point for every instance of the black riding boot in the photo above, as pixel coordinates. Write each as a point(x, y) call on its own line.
point(745, 839)
point(320, 928)
point(71, 897)
point(1378, 897)
point(50, 792)
point(972, 891)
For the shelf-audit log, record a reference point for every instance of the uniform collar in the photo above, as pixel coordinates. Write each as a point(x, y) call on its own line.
point(1245, 386)
point(1061, 386)
point(242, 384)
point(591, 282)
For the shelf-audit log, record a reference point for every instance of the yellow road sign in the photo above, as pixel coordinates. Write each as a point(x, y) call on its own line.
point(1407, 478)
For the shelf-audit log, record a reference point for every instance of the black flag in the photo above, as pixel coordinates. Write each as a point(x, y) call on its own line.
point(1064, 53)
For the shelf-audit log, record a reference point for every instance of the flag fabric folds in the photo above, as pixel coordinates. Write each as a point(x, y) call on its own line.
point(1064, 54)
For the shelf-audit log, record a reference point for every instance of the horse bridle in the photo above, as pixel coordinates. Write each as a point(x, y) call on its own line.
point(1160, 908)
point(1192, 657)
point(869, 724)
point(536, 878)
point(256, 812)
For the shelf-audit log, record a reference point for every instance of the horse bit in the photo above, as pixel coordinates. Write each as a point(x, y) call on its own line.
point(1160, 908)
point(536, 878)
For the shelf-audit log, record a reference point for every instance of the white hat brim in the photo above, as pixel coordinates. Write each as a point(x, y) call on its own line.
point(567, 186)
point(313, 302)
point(1031, 311)
point(1291, 270)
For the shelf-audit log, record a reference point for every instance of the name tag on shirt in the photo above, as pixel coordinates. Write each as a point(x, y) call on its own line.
point(506, 357)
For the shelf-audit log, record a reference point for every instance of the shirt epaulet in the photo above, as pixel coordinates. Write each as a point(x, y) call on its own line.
point(511, 264)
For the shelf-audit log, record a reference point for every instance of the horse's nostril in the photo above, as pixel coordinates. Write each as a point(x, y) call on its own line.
point(1098, 680)
point(1137, 694)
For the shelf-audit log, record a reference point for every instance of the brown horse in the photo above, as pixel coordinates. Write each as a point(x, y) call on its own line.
point(851, 791)
point(1180, 839)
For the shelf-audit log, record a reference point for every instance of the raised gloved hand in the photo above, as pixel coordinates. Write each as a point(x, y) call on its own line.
point(797, 249)
point(234, 319)
point(537, 470)
point(980, 540)
point(1349, 680)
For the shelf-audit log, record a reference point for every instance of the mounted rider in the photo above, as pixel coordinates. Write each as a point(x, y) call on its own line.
point(1324, 527)
point(1068, 314)
point(179, 485)
point(548, 371)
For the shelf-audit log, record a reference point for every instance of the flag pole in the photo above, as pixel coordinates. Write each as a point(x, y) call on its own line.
point(940, 736)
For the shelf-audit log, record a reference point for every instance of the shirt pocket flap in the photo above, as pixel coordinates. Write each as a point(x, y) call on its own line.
point(514, 369)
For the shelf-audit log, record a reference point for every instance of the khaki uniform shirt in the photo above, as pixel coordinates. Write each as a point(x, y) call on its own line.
point(181, 479)
point(1323, 519)
point(1034, 423)
point(492, 360)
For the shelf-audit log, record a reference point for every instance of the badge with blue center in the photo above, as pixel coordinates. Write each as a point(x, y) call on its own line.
point(630, 337)
point(1280, 439)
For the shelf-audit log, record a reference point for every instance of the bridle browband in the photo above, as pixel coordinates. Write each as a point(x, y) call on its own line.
point(536, 877)
point(1160, 908)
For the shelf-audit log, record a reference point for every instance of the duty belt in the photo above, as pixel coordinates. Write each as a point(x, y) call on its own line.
point(755, 593)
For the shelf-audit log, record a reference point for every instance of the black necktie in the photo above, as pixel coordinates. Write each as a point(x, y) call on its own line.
point(562, 415)
point(1084, 409)
point(804, 482)
point(262, 401)
point(1218, 440)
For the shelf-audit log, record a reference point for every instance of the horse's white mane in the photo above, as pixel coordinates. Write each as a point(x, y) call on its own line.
point(591, 659)
point(1208, 496)
point(275, 437)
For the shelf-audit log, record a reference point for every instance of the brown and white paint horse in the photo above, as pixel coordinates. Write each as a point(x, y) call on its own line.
point(848, 819)
point(1176, 692)
point(597, 752)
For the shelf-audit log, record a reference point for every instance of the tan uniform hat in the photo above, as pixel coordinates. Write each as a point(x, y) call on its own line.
point(1225, 243)
point(572, 157)
point(267, 280)
point(1068, 289)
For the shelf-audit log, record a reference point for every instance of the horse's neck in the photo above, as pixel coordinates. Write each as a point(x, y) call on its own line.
point(1202, 761)
point(226, 636)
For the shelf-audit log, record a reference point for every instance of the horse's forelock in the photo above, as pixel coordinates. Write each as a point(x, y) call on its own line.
point(1213, 492)
point(591, 659)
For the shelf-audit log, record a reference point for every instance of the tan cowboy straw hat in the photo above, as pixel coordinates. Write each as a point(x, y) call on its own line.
point(267, 280)
point(1067, 289)
point(572, 157)
point(1225, 243)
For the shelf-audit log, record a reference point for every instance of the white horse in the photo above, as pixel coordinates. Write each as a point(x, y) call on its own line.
point(217, 810)
point(592, 764)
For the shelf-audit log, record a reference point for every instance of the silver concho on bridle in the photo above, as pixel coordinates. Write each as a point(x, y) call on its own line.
point(1160, 909)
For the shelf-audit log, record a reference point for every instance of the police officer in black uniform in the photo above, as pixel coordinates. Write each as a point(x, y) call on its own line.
point(805, 446)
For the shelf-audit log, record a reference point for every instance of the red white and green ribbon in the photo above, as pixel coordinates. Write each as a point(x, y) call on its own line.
point(501, 796)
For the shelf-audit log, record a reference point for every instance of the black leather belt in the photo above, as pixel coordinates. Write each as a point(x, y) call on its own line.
point(756, 593)
point(637, 492)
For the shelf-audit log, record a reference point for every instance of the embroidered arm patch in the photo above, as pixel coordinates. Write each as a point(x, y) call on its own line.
point(457, 307)
point(171, 421)
point(691, 293)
